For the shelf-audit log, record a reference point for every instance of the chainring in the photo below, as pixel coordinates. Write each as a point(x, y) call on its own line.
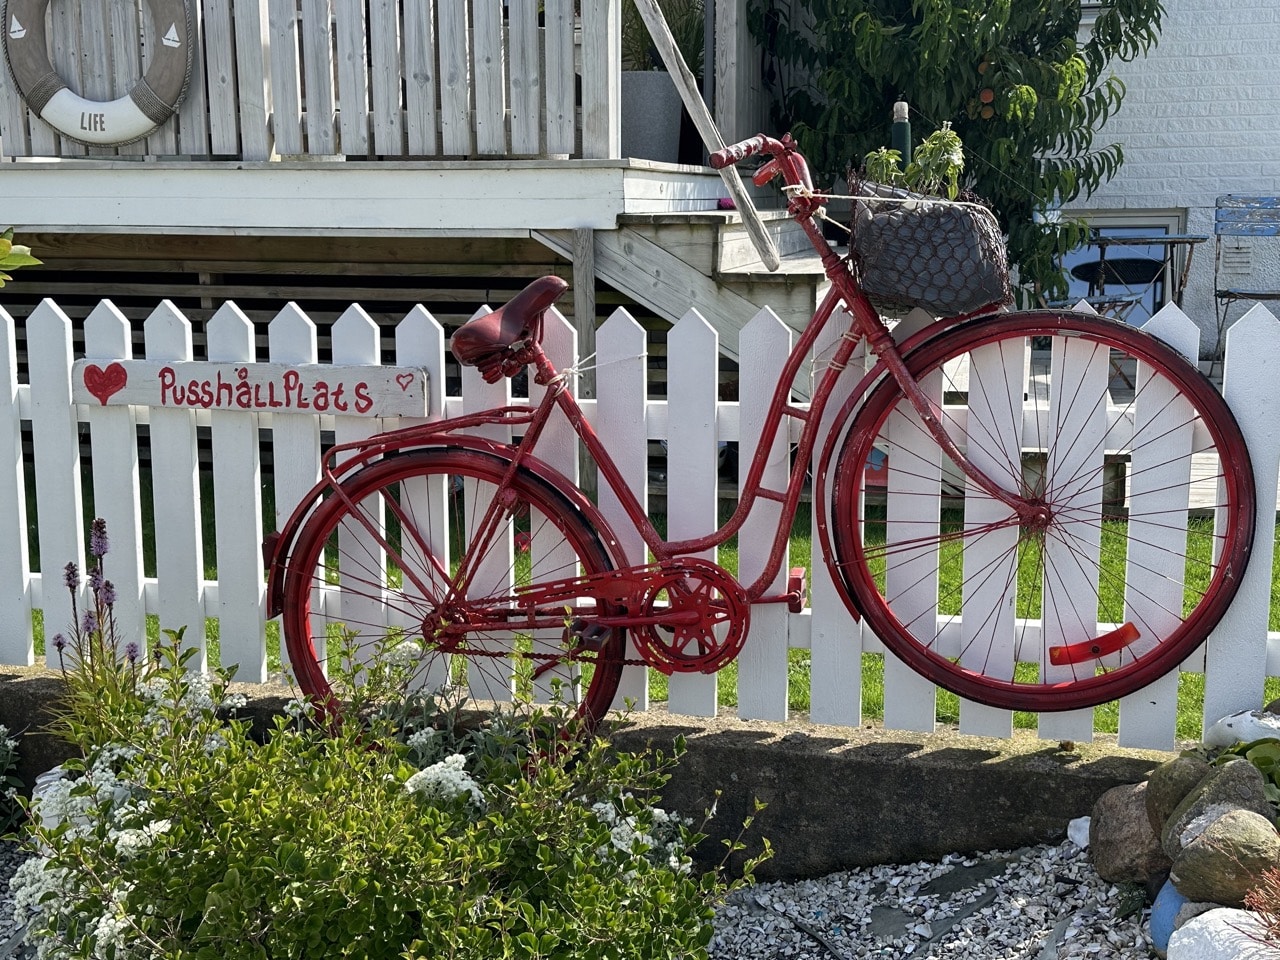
point(699, 617)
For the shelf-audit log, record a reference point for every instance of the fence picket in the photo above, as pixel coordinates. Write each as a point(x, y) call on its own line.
point(693, 350)
point(1074, 447)
point(420, 342)
point(114, 447)
point(987, 626)
point(355, 340)
point(1149, 716)
point(295, 437)
point(175, 486)
point(237, 500)
point(17, 644)
point(548, 558)
point(621, 353)
point(909, 699)
point(764, 345)
point(56, 445)
point(1236, 664)
point(499, 562)
point(836, 640)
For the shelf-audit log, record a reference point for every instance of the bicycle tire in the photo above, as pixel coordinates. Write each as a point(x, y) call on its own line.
point(1121, 579)
point(464, 653)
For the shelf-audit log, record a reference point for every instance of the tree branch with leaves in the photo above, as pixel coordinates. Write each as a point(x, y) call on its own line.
point(12, 256)
point(1014, 81)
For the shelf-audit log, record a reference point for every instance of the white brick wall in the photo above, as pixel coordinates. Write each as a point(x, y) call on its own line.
point(1202, 118)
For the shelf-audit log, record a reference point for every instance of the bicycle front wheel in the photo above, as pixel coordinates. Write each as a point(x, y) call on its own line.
point(1144, 521)
point(415, 562)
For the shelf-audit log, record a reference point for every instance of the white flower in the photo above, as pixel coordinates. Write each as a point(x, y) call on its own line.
point(129, 843)
point(295, 708)
point(419, 739)
point(407, 653)
point(446, 779)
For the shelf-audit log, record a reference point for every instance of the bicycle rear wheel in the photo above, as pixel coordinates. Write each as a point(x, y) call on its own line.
point(1147, 519)
point(382, 564)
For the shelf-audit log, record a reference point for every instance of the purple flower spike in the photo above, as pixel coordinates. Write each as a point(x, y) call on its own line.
point(98, 542)
point(71, 576)
point(95, 579)
point(89, 623)
point(131, 652)
point(59, 642)
point(107, 594)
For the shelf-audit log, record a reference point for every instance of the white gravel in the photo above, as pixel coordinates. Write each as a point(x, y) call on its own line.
point(1038, 903)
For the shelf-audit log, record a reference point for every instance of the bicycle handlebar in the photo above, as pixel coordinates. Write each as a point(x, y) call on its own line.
point(784, 159)
point(739, 151)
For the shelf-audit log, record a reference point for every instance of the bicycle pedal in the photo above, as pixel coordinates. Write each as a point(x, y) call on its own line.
point(591, 636)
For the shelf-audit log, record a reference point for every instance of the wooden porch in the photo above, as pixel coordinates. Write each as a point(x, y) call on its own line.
point(366, 119)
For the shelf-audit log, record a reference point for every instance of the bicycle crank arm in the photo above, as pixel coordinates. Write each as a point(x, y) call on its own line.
point(1094, 649)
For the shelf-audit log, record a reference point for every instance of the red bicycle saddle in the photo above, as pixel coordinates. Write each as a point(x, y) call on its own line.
point(492, 341)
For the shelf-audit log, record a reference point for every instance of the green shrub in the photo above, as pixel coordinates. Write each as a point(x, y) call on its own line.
point(395, 830)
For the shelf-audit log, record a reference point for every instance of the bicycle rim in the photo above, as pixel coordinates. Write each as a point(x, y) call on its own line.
point(382, 565)
point(1148, 512)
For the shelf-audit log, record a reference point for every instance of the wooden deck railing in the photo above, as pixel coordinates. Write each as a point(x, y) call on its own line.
point(368, 79)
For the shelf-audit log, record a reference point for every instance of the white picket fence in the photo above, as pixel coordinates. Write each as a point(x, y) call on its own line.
point(1237, 658)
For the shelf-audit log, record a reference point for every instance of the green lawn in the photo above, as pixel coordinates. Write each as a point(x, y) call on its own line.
point(1191, 686)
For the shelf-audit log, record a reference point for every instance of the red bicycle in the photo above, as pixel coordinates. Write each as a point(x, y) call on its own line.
point(1073, 477)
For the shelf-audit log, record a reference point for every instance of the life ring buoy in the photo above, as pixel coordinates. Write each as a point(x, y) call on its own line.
point(148, 104)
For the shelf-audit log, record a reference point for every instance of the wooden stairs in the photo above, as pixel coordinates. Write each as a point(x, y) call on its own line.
point(671, 261)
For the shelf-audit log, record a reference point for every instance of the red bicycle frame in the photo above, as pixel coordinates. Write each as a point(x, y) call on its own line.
point(865, 324)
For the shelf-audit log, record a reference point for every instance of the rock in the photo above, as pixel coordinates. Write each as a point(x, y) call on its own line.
point(1222, 934)
point(1246, 725)
point(1223, 862)
point(1163, 913)
point(1190, 909)
point(1122, 844)
point(1169, 783)
point(1233, 786)
point(1078, 831)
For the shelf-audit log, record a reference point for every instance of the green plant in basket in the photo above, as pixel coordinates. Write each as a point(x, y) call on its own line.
point(400, 827)
point(935, 167)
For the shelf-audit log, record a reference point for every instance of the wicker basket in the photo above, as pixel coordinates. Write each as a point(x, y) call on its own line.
point(947, 258)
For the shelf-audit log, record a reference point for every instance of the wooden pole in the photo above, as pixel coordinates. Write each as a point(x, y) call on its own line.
point(584, 319)
point(707, 129)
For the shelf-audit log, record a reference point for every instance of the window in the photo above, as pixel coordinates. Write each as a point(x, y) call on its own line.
point(1126, 270)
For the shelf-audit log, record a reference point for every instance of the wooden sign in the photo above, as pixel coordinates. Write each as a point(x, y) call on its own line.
point(359, 391)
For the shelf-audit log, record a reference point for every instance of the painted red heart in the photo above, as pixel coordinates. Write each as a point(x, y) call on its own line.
point(404, 379)
point(103, 383)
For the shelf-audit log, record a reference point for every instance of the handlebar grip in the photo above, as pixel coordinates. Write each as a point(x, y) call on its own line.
point(738, 151)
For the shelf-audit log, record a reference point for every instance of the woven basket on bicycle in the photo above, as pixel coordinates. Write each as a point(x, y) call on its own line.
point(910, 250)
